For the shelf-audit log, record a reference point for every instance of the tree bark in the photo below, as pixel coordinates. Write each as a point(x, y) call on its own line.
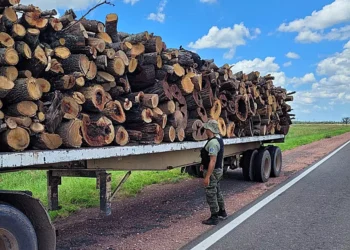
point(25, 89)
point(70, 133)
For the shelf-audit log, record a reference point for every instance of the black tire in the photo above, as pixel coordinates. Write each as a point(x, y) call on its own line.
point(17, 229)
point(192, 171)
point(262, 166)
point(276, 161)
point(248, 164)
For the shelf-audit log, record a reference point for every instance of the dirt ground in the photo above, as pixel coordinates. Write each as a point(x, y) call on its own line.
point(169, 216)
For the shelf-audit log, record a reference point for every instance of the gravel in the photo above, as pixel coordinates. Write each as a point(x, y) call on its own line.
point(169, 216)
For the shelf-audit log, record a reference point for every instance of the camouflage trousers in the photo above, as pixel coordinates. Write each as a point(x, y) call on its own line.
point(213, 193)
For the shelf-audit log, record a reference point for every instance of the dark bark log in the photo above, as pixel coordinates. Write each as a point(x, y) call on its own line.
point(70, 133)
point(111, 27)
point(45, 141)
point(144, 79)
point(25, 89)
point(95, 98)
point(114, 111)
point(195, 131)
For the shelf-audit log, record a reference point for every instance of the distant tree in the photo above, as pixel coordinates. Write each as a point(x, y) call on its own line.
point(346, 120)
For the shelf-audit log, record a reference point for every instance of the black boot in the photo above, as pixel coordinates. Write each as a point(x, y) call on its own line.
point(222, 214)
point(213, 220)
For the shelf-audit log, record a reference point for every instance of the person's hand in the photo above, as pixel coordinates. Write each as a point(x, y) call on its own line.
point(201, 168)
point(206, 181)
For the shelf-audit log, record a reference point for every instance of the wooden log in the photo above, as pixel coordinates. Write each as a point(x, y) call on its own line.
point(97, 130)
point(25, 89)
point(215, 111)
point(36, 128)
point(62, 52)
point(6, 3)
point(263, 130)
point(111, 27)
point(34, 20)
point(207, 96)
point(70, 132)
point(6, 41)
point(24, 108)
point(10, 123)
point(194, 100)
point(76, 63)
point(125, 102)
point(187, 86)
point(116, 67)
point(70, 108)
point(10, 72)
point(180, 134)
point(97, 43)
point(6, 86)
point(133, 63)
point(14, 140)
point(139, 115)
point(45, 141)
point(37, 63)
point(24, 74)
point(199, 113)
point(123, 81)
point(137, 38)
point(8, 56)
point(151, 133)
point(167, 107)
point(194, 130)
point(162, 89)
point(104, 36)
point(134, 135)
point(169, 134)
point(103, 77)
point(144, 79)
point(92, 25)
point(18, 31)
point(150, 100)
point(222, 127)
point(230, 130)
point(44, 85)
point(121, 136)
point(95, 98)
point(241, 108)
point(154, 44)
point(32, 38)
point(109, 53)
point(114, 111)
point(21, 121)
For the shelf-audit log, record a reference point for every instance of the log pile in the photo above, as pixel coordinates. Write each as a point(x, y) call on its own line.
point(70, 83)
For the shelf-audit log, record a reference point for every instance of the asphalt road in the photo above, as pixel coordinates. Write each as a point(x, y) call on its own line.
point(314, 213)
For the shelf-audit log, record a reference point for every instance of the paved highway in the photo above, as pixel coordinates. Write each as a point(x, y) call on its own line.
point(312, 211)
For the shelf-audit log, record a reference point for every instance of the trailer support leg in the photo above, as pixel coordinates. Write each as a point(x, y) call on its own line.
point(52, 190)
point(104, 183)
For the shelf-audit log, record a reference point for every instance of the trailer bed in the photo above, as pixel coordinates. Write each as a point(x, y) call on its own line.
point(39, 158)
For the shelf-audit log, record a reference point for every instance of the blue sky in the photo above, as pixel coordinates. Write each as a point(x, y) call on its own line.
point(304, 43)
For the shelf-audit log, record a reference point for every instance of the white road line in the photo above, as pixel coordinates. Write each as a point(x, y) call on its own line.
point(241, 218)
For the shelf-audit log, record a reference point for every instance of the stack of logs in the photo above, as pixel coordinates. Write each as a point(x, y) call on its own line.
point(70, 83)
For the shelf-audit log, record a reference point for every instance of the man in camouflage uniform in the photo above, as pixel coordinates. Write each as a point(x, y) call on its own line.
point(212, 164)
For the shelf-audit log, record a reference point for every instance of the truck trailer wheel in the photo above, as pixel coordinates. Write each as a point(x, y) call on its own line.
point(276, 160)
point(248, 164)
point(262, 166)
point(16, 231)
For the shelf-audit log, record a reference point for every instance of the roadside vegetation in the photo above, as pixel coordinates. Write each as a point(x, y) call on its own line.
point(76, 193)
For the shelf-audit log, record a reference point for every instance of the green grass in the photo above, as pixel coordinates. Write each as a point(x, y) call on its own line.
point(306, 133)
point(76, 193)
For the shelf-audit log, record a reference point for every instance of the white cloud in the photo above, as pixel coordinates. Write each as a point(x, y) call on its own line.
point(208, 1)
point(159, 16)
point(307, 78)
point(292, 55)
point(63, 4)
point(225, 38)
point(287, 64)
point(132, 2)
point(312, 28)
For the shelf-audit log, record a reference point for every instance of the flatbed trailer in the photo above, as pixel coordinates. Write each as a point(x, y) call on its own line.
point(24, 220)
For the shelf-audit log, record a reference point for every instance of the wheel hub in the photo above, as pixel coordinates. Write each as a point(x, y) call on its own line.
point(7, 240)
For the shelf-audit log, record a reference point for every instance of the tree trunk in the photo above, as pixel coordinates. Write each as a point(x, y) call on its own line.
point(95, 98)
point(14, 140)
point(195, 131)
point(70, 108)
point(155, 44)
point(167, 107)
point(37, 63)
point(144, 79)
point(150, 100)
point(194, 100)
point(18, 31)
point(6, 87)
point(151, 133)
point(114, 111)
point(92, 25)
point(169, 134)
point(134, 135)
point(111, 27)
point(70, 133)
point(8, 56)
point(10, 72)
point(162, 89)
point(116, 67)
point(25, 89)
point(139, 115)
point(137, 38)
point(65, 82)
point(97, 130)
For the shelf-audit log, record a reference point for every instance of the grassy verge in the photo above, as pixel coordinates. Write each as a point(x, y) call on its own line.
point(76, 193)
point(306, 133)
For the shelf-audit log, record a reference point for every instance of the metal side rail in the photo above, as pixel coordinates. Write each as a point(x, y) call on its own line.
point(109, 157)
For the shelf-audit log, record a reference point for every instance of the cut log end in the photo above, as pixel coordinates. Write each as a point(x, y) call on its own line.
point(97, 131)
point(46, 141)
point(121, 136)
point(15, 139)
